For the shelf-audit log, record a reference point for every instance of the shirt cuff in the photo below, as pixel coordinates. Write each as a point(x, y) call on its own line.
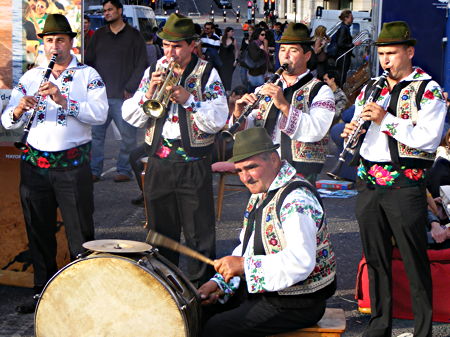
point(228, 288)
point(290, 124)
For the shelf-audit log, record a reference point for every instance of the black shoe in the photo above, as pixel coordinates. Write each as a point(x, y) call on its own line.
point(27, 307)
point(139, 201)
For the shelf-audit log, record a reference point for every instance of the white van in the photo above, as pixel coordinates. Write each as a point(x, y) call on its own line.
point(140, 17)
point(330, 18)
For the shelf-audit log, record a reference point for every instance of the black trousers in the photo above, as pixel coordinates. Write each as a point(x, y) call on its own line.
point(179, 195)
point(42, 191)
point(401, 213)
point(257, 316)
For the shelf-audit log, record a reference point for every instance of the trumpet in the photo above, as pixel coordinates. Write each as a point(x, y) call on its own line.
point(156, 106)
point(22, 144)
point(354, 138)
point(228, 135)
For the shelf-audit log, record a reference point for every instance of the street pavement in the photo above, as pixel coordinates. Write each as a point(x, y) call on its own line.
point(116, 218)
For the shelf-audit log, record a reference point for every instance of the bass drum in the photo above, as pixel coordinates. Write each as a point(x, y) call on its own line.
point(114, 295)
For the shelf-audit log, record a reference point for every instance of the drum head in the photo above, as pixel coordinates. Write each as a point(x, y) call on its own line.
point(107, 296)
point(117, 246)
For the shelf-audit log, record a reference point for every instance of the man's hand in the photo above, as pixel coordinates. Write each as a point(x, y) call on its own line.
point(229, 266)
point(275, 92)
point(51, 90)
point(373, 112)
point(156, 79)
point(127, 95)
point(179, 95)
point(438, 233)
point(26, 103)
point(350, 128)
point(209, 293)
point(239, 106)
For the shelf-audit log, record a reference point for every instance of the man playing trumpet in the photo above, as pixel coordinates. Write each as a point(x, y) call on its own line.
point(300, 110)
point(405, 129)
point(178, 181)
point(54, 171)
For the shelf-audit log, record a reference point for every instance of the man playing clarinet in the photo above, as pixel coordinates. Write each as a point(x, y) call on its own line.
point(298, 112)
point(406, 123)
point(55, 171)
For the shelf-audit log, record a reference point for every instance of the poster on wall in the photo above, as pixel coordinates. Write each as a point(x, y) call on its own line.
point(20, 47)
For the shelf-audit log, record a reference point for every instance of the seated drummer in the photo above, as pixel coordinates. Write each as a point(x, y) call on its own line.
point(279, 277)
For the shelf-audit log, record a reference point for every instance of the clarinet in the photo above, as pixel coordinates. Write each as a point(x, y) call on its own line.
point(22, 144)
point(228, 135)
point(354, 138)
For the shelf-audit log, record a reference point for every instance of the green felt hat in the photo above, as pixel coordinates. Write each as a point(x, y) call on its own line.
point(56, 24)
point(177, 28)
point(297, 33)
point(251, 142)
point(395, 32)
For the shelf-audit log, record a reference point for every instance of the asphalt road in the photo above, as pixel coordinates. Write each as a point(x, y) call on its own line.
point(116, 218)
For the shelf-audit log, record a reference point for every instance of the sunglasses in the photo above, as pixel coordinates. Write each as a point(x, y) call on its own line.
point(262, 34)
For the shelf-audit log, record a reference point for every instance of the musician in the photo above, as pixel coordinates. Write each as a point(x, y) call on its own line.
point(300, 109)
point(178, 180)
point(55, 171)
point(279, 277)
point(405, 129)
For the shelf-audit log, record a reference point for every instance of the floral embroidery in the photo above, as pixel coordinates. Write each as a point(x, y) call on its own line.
point(430, 95)
point(163, 151)
point(391, 129)
point(228, 288)
point(59, 159)
point(144, 84)
point(213, 91)
point(414, 174)
point(21, 88)
point(96, 83)
point(193, 107)
point(383, 174)
point(328, 105)
point(73, 108)
point(255, 274)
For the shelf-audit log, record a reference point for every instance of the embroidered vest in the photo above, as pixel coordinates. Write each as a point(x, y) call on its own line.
point(274, 241)
point(307, 158)
point(195, 142)
point(406, 106)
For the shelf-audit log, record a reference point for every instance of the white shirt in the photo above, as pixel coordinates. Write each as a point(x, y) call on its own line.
point(210, 115)
point(425, 135)
point(305, 127)
point(56, 129)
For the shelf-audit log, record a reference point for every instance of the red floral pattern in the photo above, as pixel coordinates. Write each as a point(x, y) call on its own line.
point(414, 174)
point(43, 162)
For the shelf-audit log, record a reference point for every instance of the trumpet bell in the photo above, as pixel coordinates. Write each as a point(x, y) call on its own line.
point(153, 108)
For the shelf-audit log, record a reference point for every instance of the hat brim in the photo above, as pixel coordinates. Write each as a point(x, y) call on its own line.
point(243, 156)
point(71, 34)
point(410, 42)
point(307, 42)
point(164, 36)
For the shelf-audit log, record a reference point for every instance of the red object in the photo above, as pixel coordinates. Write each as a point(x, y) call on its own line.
point(440, 274)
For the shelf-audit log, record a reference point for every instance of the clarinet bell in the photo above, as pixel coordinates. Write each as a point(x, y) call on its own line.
point(334, 173)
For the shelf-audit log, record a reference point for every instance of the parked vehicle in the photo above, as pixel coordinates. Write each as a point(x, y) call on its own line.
point(169, 4)
point(140, 17)
point(224, 3)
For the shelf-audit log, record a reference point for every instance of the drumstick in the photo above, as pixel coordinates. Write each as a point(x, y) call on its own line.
point(157, 239)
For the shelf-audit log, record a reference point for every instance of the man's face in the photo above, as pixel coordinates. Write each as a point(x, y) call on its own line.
point(111, 13)
point(208, 29)
point(277, 28)
point(86, 25)
point(258, 172)
point(397, 58)
point(181, 51)
point(293, 55)
point(60, 44)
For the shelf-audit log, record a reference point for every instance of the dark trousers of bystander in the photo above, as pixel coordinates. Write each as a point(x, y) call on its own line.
point(383, 213)
point(42, 191)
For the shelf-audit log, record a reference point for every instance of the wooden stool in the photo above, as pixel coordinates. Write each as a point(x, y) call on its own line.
point(332, 324)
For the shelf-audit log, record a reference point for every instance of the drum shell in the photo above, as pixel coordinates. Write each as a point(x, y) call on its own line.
point(117, 295)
